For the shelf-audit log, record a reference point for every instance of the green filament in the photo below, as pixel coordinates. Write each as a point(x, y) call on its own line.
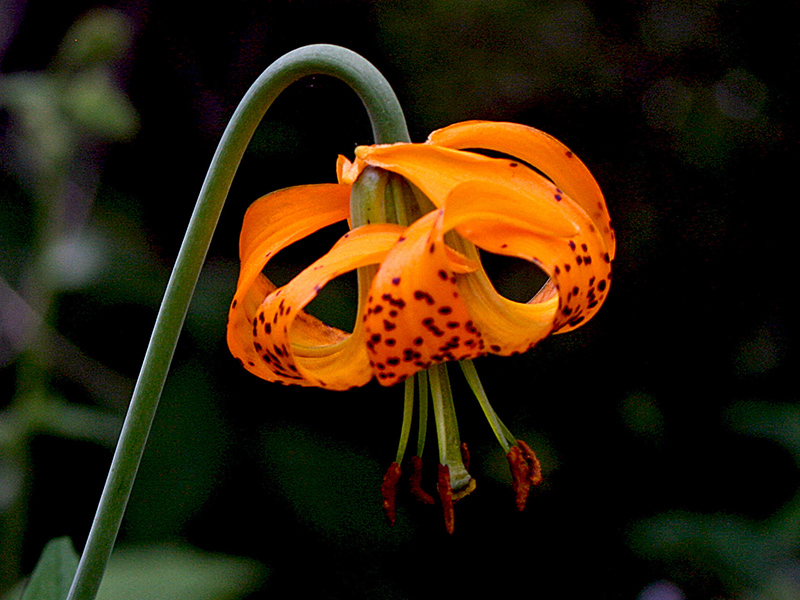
point(422, 424)
point(447, 427)
point(504, 436)
point(408, 413)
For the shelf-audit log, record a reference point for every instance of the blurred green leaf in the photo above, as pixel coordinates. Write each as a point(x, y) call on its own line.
point(178, 572)
point(334, 489)
point(54, 415)
point(54, 572)
point(778, 422)
point(45, 139)
point(481, 60)
point(98, 105)
point(642, 416)
point(100, 36)
point(185, 456)
point(76, 259)
point(744, 554)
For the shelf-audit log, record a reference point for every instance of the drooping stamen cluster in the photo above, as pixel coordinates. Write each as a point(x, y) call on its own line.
point(453, 481)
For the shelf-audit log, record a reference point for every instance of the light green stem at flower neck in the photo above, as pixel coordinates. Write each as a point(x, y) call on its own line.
point(388, 126)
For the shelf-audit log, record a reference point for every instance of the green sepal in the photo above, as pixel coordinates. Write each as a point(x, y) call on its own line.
point(368, 198)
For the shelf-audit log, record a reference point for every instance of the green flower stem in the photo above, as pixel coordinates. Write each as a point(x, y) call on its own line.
point(388, 126)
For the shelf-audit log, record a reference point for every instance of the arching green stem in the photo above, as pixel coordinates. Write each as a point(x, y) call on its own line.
point(388, 126)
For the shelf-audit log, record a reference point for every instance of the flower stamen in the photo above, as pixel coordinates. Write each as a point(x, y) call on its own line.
point(447, 427)
point(389, 492)
point(415, 481)
point(533, 463)
point(453, 479)
point(526, 471)
point(465, 455)
point(446, 496)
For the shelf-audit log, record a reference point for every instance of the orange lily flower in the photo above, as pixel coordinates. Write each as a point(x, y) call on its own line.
point(429, 300)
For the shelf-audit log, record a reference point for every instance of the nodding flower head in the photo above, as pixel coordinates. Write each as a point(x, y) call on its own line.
point(418, 215)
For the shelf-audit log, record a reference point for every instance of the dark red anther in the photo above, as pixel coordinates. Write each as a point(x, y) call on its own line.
point(526, 470)
point(533, 463)
point(520, 473)
point(415, 479)
point(446, 496)
point(465, 455)
point(389, 491)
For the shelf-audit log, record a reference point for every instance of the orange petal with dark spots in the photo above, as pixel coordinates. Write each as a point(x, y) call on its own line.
point(272, 223)
point(540, 150)
point(338, 366)
point(415, 315)
point(578, 266)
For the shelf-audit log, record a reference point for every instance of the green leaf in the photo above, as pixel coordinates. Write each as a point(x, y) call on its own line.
point(779, 422)
point(94, 102)
point(744, 554)
point(54, 572)
point(178, 572)
point(333, 488)
point(101, 36)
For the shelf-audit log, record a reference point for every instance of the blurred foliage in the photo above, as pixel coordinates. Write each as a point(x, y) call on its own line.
point(667, 425)
point(757, 557)
point(342, 513)
point(54, 572)
point(517, 52)
point(149, 573)
point(58, 120)
point(177, 573)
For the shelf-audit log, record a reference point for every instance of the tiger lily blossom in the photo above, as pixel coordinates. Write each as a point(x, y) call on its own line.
point(425, 298)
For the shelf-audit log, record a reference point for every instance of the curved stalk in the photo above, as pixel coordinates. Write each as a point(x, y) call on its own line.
point(388, 126)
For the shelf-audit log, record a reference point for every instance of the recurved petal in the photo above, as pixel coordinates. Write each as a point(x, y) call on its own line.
point(281, 218)
point(541, 151)
point(415, 315)
point(578, 265)
point(347, 172)
point(437, 171)
point(272, 223)
point(288, 344)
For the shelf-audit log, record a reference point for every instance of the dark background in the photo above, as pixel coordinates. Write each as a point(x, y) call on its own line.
point(667, 425)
